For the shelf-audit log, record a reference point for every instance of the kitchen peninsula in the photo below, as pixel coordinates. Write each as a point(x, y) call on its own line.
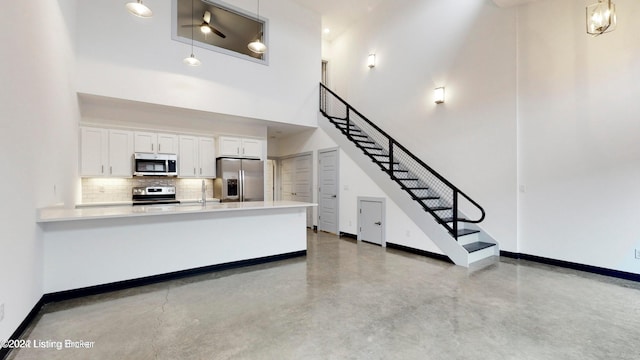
point(94, 246)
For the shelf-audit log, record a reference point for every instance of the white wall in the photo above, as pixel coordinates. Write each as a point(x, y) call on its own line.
point(126, 57)
point(39, 139)
point(578, 135)
point(470, 48)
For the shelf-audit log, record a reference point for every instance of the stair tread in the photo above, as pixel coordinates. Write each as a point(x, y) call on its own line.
point(407, 179)
point(477, 246)
point(440, 208)
point(463, 232)
point(414, 188)
point(400, 170)
point(364, 141)
point(426, 197)
point(450, 219)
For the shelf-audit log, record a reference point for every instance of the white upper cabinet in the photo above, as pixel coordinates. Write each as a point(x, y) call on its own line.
point(94, 151)
point(156, 143)
point(229, 146)
point(207, 157)
point(188, 158)
point(252, 148)
point(197, 157)
point(105, 152)
point(167, 143)
point(239, 147)
point(120, 153)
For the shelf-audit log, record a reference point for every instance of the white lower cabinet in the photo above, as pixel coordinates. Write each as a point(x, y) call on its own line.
point(197, 157)
point(105, 152)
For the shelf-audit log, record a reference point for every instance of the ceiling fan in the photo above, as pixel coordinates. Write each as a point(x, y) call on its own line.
point(206, 26)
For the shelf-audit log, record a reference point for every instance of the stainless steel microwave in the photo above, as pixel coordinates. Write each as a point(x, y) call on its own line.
point(155, 164)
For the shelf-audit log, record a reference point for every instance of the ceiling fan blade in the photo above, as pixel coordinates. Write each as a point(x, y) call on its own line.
point(207, 17)
point(190, 26)
point(218, 32)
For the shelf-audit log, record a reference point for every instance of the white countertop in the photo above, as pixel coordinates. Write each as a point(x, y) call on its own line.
point(122, 203)
point(54, 214)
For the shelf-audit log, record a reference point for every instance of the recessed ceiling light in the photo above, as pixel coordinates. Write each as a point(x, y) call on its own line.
point(327, 30)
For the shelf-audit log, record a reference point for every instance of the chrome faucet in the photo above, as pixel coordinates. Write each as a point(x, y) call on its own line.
point(204, 194)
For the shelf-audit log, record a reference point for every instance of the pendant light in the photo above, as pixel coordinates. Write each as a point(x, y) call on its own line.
point(191, 60)
point(256, 46)
point(601, 17)
point(139, 9)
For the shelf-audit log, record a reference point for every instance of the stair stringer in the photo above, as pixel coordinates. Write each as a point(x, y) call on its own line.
point(436, 232)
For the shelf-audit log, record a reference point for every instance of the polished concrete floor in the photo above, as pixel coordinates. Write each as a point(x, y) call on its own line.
point(354, 301)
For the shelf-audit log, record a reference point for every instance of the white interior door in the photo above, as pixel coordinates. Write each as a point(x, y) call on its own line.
point(296, 181)
point(304, 182)
point(371, 220)
point(328, 191)
point(287, 179)
point(270, 180)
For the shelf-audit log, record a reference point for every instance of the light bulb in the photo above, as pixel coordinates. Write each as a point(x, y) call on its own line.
point(205, 29)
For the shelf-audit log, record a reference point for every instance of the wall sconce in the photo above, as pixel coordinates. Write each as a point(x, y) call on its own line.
point(438, 95)
point(601, 17)
point(371, 60)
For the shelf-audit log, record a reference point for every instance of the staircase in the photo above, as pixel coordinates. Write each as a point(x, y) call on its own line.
point(429, 199)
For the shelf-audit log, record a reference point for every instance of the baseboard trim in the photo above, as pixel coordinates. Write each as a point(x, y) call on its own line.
point(4, 352)
point(574, 266)
point(347, 235)
point(127, 284)
point(154, 279)
point(425, 253)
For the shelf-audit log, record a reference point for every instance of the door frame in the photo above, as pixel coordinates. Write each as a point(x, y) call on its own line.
point(383, 202)
point(337, 150)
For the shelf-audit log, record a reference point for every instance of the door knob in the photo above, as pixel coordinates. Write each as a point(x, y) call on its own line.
point(378, 223)
point(333, 196)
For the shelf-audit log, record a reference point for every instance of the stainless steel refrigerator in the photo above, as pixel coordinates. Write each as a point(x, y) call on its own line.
point(239, 180)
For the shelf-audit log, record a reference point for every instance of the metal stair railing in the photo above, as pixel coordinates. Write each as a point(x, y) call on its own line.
point(437, 195)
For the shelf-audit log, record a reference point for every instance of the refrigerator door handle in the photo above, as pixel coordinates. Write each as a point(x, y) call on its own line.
point(241, 185)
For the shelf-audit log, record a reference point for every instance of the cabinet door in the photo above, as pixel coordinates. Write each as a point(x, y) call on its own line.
point(145, 142)
point(207, 157)
point(94, 145)
point(229, 146)
point(252, 148)
point(120, 153)
point(188, 158)
point(167, 144)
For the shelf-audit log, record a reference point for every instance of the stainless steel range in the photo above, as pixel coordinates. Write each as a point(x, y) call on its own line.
point(151, 195)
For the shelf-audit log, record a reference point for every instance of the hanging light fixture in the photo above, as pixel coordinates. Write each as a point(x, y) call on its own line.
point(601, 17)
point(191, 60)
point(139, 9)
point(256, 45)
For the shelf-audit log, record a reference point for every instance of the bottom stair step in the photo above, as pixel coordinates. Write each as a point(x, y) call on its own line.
point(463, 232)
point(477, 246)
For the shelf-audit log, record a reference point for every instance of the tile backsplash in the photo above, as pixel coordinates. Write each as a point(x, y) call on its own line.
point(99, 190)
